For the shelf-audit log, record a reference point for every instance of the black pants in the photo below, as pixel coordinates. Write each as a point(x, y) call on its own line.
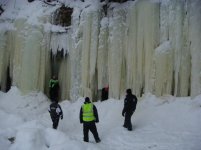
point(54, 95)
point(55, 122)
point(127, 121)
point(92, 127)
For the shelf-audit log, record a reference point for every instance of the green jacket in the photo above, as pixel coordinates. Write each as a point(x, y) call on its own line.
point(53, 82)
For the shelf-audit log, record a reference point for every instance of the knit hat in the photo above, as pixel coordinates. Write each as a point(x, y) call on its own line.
point(128, 91)
point(87, 100)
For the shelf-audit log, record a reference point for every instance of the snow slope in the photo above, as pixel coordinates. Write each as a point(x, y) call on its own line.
point(165, 123)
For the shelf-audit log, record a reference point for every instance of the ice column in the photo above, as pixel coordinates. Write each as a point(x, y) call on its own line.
point(65, 68)
point(65, 78)
point(4, 55)
point(102, 58)
point(150, 24)
point(75, 54)
point(178, 36)
point(131, 50)
point(116, 48)
point(29, 57)
point(89, 53)
point(142, 39)
point(195, 40)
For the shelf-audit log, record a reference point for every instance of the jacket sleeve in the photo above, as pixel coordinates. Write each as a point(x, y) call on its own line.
point(135, 101)
point(125, 106)
point(81, 119)
point(95, 113)
point(61, 113)
point(49, 109)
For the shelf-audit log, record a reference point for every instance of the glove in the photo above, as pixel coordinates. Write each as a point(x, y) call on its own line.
point(61, 117)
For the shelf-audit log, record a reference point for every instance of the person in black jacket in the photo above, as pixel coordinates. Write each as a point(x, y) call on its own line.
point(89, 116)
point(104, 93)
point(55, 113)
point(130, 103)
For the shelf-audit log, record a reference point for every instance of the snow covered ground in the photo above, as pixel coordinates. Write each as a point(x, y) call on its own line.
point(165, 123)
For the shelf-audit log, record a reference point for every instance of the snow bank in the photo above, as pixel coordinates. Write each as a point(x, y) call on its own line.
point(158, 122)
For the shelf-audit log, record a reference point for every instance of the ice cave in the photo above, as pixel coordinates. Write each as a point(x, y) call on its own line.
point(150, 46)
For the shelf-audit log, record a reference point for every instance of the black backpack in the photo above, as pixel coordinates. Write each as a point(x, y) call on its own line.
point(53, 108)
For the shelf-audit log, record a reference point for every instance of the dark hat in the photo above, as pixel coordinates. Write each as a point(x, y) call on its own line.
point(129, 91)
point(87, 100)
point(54, 77)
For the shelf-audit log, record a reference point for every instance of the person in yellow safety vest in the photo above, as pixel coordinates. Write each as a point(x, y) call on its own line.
point(89, 118)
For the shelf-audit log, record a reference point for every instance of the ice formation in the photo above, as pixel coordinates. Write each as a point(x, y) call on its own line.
point(146, 45)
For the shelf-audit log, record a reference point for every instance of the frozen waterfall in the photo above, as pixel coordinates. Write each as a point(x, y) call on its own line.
point(148, 46)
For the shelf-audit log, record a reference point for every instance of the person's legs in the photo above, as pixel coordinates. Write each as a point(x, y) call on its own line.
point(54, 96)
point(55, 123)
point(125, 122)
point(50, 93)
point(128, 123)
point(93, 129)
point(86, 132)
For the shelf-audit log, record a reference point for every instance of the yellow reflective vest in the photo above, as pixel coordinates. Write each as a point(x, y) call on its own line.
point(87, 112)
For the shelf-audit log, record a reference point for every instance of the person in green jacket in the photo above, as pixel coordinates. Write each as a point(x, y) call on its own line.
point(54, 89)
point(89, 116)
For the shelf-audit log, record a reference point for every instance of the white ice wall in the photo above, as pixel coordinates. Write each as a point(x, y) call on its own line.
point(145, 45)
point(149, 25)
point(132, 77)
point(65, 78)
point(75, 54)
point(142, 39)
point(116, 48)
point(102, 58)
point(163, 69)
point(90, 32)
point(29, 57)
point(178, 34)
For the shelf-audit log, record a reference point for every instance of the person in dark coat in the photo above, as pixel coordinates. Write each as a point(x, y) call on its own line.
point(104, 93)
point(54, 88)
point(130, 103)
point(55, 113)
point(89, 118)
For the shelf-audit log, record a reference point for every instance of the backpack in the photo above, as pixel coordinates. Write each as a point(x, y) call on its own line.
point(54, 110)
